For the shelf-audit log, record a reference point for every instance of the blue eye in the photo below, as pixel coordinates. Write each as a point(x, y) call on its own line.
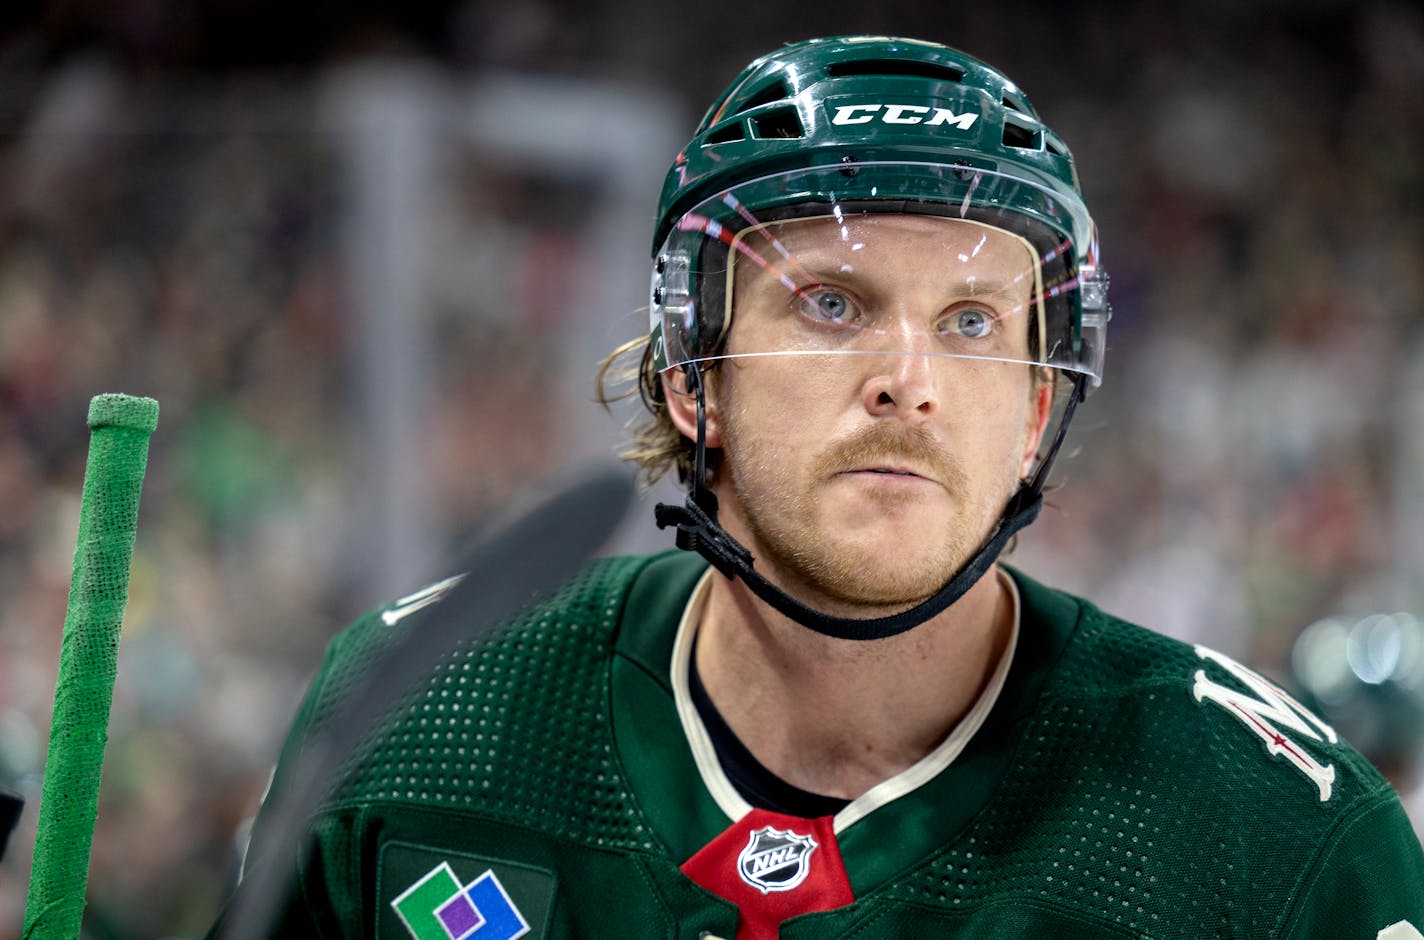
point(827, 305)
point(972, 323)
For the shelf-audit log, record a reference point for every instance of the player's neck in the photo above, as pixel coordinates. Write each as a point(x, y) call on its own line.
point(838, 716)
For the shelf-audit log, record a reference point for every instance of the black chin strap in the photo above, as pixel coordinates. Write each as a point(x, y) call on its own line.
point(698, 531)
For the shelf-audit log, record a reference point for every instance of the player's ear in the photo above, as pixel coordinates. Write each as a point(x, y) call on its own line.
point(682, 406)
point(1040, 409)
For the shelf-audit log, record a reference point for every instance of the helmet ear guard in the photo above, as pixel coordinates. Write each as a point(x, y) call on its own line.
point(1095, 312)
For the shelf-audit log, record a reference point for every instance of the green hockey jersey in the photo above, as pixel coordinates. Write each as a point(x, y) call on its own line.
point(549, 782)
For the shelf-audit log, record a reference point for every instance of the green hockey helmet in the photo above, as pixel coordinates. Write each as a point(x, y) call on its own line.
point(798, 174)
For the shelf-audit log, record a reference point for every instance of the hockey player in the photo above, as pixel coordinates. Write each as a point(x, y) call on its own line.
point(876, 302)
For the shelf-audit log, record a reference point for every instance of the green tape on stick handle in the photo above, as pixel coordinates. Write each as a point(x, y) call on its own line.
point(120, 426)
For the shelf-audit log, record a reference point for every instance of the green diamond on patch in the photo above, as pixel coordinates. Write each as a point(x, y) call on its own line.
point(417, 905)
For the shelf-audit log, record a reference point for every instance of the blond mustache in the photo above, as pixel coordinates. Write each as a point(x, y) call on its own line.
point(886, 443)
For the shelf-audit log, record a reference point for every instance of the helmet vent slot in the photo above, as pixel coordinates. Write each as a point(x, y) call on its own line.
point(729, 134)
point(947, 73)
point(776, 91)
point(1022, 138)
point(778, 123)
point(1014, 105)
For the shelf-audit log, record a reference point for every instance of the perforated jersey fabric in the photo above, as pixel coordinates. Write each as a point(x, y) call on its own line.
point(1103, 796)
point(1129, 797)
point(518, 726)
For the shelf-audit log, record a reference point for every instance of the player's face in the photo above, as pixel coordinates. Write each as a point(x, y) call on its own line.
point(866, 468)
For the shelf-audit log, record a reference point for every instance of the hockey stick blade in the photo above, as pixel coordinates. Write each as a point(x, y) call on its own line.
point(510, 566)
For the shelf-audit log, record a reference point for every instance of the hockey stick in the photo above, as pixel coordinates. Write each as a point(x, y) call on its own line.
point(120, 427)
point(509, 567)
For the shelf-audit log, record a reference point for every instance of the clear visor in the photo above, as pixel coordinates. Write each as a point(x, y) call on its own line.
point(848, 277)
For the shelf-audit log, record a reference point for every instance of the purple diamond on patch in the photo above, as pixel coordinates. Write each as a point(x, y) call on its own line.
point(459, 916)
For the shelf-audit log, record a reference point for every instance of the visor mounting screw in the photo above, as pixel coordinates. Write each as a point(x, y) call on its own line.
point(962, 171)
point(850, 169)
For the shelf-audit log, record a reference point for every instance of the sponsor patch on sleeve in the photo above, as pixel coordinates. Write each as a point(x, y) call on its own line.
point(432, 894)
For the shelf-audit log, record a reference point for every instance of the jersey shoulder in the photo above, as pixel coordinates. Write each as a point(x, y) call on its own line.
point(1181, 784)
point(513, 726)
point(592, 599)
point(1229, 725)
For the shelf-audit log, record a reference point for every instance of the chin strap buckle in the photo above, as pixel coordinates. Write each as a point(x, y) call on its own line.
point(698, 531)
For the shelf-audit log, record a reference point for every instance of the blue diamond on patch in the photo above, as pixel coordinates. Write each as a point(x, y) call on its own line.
point(502, 919)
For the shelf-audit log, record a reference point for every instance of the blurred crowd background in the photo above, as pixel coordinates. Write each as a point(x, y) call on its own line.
point(368, 259)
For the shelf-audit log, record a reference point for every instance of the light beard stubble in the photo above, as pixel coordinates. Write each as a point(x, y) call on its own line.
point(792, 544)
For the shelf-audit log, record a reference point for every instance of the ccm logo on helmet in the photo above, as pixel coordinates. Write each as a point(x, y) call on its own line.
point(901, 114)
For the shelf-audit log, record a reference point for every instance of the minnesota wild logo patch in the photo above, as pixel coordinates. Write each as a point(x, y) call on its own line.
point(1264, 710)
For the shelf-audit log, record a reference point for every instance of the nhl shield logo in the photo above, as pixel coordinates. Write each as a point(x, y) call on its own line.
point(776, 859)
